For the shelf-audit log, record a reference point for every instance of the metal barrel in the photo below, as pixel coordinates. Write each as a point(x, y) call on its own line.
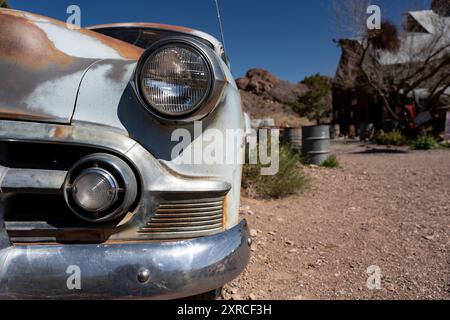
point(316, 143)
point(335, 131)
point(293, 136)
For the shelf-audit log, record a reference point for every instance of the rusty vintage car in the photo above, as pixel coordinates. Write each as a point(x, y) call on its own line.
point(89, 186)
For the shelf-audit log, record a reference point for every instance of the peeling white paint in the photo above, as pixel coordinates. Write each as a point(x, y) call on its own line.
point(35, 18)
point(91, 104)
point(52, 96)
point(80, 45)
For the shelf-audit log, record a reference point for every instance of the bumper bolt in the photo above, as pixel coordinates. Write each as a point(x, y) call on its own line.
point(143, 275)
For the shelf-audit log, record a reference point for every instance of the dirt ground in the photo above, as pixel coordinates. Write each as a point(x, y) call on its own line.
point(385, 207)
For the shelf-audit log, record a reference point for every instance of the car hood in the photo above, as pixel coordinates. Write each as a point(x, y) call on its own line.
point(43, 61)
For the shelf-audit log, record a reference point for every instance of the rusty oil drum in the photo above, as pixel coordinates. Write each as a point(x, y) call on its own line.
point(316, 143)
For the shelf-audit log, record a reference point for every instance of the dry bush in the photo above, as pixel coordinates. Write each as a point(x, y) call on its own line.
point(289, 180)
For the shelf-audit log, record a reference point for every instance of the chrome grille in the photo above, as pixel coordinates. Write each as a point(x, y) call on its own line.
point(178, 219)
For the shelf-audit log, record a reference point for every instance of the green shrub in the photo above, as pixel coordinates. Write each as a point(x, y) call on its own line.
point(425, 143)
point(331, 162)
point(395, 138)
point(289, 179)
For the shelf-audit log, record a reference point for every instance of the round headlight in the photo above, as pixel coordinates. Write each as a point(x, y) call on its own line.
point(95, 190)
point(175, 80)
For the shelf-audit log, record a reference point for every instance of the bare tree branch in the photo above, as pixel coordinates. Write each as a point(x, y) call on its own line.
point(422, 62)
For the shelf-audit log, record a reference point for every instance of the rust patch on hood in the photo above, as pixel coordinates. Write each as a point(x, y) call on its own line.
point(19, 35)
point(63, 132)
point(24, 43)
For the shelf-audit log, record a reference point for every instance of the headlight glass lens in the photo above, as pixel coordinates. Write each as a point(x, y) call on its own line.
point(95, 190)
point(175, 80)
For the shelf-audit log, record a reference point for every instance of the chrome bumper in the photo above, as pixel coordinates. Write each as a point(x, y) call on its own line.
point(175, 269)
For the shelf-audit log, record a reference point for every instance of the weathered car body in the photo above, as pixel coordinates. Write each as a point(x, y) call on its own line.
point(70, 103)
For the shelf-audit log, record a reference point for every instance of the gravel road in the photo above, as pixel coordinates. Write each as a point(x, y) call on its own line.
point(386, 208)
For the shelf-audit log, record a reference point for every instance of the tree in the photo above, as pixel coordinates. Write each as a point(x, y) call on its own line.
point(396, 65)
point(316, 103)
point(4, 4)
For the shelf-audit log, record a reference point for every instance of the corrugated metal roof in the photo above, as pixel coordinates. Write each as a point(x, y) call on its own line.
point(426, 18)
point(415, 47)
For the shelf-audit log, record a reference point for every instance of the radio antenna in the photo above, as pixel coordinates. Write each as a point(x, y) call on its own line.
point(219, 19)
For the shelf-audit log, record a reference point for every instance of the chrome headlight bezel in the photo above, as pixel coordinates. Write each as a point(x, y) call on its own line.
point(215, 89)
point(119, 172)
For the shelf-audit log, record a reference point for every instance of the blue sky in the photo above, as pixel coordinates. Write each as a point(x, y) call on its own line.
point(290, 38)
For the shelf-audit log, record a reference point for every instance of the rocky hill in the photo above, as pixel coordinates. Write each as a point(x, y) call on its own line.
point(266, 96)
